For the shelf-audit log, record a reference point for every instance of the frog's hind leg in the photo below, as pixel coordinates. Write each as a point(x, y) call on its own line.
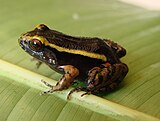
point(70, 72)
point(117, 48)
point(106, 79)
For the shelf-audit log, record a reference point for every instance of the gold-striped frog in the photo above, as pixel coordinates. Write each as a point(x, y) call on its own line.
point(90, 59)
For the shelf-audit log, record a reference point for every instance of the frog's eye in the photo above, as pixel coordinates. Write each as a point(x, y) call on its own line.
point(35, 44)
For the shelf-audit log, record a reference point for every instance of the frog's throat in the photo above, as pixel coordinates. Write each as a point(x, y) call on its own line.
point(73, 51)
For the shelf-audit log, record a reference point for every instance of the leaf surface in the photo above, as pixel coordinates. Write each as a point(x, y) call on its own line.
point(134, 28)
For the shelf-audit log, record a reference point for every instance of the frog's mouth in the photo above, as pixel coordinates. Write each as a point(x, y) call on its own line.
point(45, 55)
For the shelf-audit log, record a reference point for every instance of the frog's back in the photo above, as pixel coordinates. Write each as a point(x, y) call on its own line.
point(85, 45)
point(92, 45)
point(77, 43)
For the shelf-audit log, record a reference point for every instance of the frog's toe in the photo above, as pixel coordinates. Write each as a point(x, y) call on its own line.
point(46, 92)
point(78, 89)
point(86, 93)
point(47, 84)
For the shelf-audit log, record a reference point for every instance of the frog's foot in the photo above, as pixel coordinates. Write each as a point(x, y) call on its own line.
point(78, 89)
point(38, 63)
point(70, 72)
point(48, 85)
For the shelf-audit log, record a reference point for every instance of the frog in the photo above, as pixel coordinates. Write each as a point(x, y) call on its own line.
point(92, 60)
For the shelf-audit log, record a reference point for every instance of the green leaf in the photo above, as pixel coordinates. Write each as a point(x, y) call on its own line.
point(134, 28)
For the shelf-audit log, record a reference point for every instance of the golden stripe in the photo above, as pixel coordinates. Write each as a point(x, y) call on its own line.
point(73, 51)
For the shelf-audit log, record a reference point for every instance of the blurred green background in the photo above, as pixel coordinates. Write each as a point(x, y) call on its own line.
point(135, 28)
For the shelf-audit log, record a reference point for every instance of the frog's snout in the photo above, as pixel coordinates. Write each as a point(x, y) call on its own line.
point(22, 42)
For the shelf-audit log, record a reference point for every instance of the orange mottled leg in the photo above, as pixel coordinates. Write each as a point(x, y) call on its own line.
point(70, 72)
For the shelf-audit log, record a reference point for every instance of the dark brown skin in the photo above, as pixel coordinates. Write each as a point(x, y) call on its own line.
point(93, 60)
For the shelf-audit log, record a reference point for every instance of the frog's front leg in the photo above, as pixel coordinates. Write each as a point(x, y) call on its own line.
point(38, 63)
point(70, 72)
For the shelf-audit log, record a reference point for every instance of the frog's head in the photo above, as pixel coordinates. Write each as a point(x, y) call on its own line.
point(36, 44)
